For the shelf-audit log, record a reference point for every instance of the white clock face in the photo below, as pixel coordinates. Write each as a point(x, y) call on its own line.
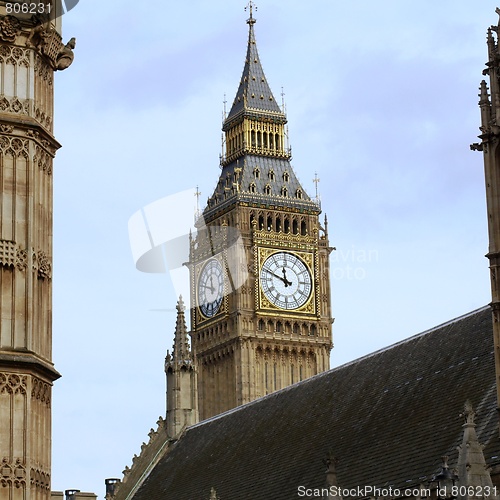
point(285, 280)
point(210, 288)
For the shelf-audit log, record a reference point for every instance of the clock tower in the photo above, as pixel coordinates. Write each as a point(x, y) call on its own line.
point(260, 286)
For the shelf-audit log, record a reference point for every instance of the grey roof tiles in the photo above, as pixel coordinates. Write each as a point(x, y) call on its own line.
point(387, 417)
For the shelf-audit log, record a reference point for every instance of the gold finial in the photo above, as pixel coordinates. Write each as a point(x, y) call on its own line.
point(251, 5)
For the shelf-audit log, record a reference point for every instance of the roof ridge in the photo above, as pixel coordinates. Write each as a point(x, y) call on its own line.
point(408, 339)
point(337, 368)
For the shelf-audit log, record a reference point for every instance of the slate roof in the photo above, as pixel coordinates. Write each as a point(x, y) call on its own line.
point(271, 173)
point(254, 91)
point(387, 417)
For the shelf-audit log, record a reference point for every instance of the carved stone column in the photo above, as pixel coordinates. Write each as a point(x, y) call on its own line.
point(31, 49)
point(490, 146)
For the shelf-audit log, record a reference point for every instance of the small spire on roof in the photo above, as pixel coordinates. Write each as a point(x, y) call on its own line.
point(180, 305)
point(472, 468)
point(331, 475)
point(484, 97)
point(181, 353)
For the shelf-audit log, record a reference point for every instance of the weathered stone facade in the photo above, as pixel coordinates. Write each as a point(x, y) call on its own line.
point(490, 146)
point(31, 49)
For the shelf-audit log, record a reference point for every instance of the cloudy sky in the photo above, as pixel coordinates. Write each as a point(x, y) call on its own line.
point(382, 104)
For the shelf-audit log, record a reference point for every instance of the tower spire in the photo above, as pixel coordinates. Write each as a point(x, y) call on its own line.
point(255, 130)
point(254, 92)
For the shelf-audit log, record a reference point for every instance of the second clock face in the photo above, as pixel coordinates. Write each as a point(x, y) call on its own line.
point(285, 280)
point(210, 288)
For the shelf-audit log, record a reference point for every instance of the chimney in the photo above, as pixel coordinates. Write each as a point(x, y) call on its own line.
point(111, 486)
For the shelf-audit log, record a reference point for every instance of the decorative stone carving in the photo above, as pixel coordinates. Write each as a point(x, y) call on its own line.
point(47, 42)
point(7, 253)
point(40, 479)
point(43, 160)
point(12, 383)
point(66, 56)
point(42, 117)
point(12, 473)
point(43, 70)
point(41, 391)
point(44, 266)
point(14, 105)
point(9, 28)
point(21, 259)
point(16, 56)
point(6, 129)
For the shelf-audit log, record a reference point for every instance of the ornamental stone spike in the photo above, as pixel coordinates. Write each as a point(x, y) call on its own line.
point(182, 394)
point(472, 469)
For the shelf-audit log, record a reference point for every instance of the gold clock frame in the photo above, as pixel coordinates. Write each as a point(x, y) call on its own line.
point(264, 304)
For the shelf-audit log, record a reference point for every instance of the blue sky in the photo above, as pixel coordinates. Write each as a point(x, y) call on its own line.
point(382, 104)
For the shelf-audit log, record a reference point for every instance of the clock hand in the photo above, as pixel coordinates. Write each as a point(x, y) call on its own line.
point(211, 284)
point(287, 283)
point(211, 288)
point(276, 276)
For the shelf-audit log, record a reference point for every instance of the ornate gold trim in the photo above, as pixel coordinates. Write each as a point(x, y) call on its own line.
point(261, 300)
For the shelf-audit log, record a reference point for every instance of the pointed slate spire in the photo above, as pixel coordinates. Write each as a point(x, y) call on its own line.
point(472, 469)
point(254, 92)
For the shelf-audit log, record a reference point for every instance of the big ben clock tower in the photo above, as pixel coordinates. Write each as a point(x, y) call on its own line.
point(260, 291)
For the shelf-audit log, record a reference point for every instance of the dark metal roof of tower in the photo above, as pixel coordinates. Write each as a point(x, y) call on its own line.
point(254, 92)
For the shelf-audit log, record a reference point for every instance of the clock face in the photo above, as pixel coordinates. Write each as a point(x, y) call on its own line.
point(285, 280)
point(210, 288)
